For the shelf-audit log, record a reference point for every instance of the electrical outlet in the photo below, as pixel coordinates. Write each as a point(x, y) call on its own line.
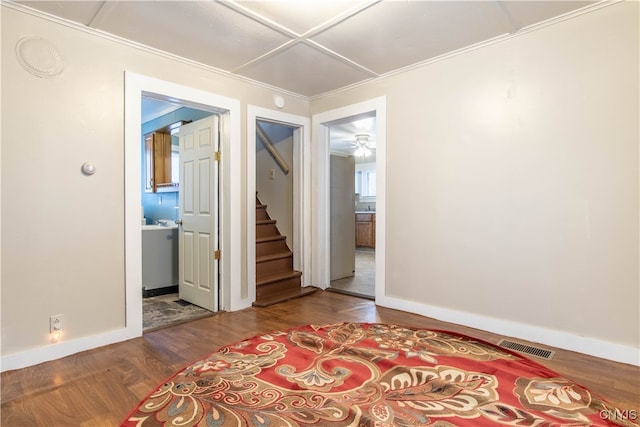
point(55, 324)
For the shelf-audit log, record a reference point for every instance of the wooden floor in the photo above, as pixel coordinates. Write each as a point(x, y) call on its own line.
point(100, 387)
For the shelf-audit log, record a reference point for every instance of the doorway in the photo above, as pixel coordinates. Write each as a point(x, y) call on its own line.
point(162, 122)
point(321, 127)
point(274, 174)
point(301, 194)
point(352, 200)
point(228, 109)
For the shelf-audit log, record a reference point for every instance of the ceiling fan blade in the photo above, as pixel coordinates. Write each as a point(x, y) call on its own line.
point(337, 134)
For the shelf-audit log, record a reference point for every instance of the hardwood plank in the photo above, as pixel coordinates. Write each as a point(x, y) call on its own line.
point(283, 294)
point(100, 387)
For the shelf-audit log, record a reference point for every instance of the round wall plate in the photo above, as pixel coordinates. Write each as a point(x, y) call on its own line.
point(39, 57)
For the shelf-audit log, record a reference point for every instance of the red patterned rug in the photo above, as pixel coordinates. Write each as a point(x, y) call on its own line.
point(360, 374)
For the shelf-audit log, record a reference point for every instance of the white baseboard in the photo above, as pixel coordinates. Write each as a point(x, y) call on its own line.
point(551, 337)
point(65, 348)
point(594, 347)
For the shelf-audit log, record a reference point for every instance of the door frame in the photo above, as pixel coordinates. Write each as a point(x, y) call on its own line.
point(136, 86)
point(301, 191)
point(320, 123)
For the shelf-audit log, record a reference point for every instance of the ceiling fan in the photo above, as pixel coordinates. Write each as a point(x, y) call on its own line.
point(356, 137)
point(363, 146)
point(352, 142)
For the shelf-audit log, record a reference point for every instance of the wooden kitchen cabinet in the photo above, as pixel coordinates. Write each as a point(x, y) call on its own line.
point(366, 230)
point(157, 156)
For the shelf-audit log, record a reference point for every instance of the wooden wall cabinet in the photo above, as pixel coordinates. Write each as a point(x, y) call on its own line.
point(366, 230)
point(157, 156)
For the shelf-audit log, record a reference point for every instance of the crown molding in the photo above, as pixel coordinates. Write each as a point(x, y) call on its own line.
point(121, 40)
point(148, 49)
point(495, 40)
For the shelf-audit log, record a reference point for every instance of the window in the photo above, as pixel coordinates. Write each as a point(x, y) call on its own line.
point(366, 183)
point(175, 164)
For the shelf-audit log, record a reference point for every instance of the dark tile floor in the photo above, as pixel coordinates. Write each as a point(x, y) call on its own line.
point(164, 310)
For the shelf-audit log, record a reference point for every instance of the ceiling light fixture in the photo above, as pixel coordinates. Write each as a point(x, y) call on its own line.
point(362, 145)
point(279, 101)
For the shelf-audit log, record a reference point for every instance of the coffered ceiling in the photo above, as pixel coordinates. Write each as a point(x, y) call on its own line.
point(308, 47)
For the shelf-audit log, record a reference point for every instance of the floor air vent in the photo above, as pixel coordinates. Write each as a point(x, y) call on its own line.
point(527, 349)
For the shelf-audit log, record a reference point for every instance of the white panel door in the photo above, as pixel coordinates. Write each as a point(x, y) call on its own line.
point(198, 235)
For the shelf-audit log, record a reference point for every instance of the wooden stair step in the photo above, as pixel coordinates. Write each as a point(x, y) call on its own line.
point(271, 244)
point(274, 263)
point(265, 221)
point(261, 213)
point(269, 285)
point(278, 297)
point(273, 278)
point(274, 256)
point(270, 238)
point(266, 228)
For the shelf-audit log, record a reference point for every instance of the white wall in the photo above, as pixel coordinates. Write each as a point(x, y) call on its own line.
point(277, 192)
point(63, 232)
point(519, 161)
point(512, 184)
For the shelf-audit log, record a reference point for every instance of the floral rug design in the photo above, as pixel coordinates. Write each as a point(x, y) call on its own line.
point(360, 374)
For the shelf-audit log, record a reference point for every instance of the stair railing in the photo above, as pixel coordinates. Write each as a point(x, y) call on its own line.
point(271, 149)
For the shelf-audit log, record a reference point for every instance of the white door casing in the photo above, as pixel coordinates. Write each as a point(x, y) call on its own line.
point(198, 232)
point(301, 192)
point(320, 262)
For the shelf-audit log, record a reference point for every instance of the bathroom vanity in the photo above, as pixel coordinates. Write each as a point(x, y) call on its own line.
point(159, 260)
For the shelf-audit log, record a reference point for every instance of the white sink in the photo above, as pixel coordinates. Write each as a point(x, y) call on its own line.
point(158, 227)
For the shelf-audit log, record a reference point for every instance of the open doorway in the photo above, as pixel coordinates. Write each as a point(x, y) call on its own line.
point(352, 188)
point(160, 215)
point(288, 136)
point(232, 292)
point(274, 173)
point(278, 276)
point(322, 125)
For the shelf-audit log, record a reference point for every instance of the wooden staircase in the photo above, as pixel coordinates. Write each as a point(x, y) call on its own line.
point(276, 280)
